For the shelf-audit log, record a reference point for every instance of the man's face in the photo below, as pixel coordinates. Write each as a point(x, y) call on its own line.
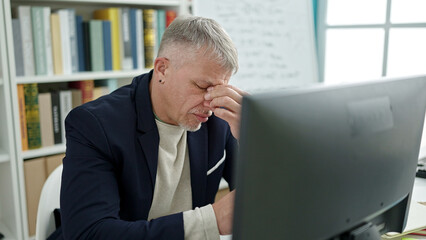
point(185, 90)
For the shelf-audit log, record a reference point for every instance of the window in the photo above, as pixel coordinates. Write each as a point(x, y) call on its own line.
point(364, 39)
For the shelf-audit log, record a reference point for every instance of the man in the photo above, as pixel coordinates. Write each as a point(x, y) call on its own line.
point(145, 162)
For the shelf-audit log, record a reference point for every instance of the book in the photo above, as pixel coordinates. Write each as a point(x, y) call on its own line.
point(106, 35)
point(35, 176)
point(24, 16)
point(48, 40)
point(126, 41)
point(161, 25)
point(22, 118)
point(155, 30)
point(86, 43)
point(46, 123)
point(96, 45)
point(64, 24)
point(149, 37)
point(76, 98)
point(56, 43)
point(17, 47)
point(420, 233)
point(86, 87)
point(140, 40)
point(80, 43)
point(111, 14)
point(73, 40)
point(52, 162)
point(56, 117)
point(170, 16)
point(39, 46)
point(32, 115)
point(133, 37)
point(100, 91)
point(65, 101)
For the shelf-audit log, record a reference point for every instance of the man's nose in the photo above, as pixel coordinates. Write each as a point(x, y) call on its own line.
point(206, 103)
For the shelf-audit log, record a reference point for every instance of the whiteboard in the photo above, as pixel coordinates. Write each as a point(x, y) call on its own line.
point(275, 40)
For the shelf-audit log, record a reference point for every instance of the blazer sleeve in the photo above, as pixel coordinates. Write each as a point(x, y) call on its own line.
point(90, 201)
point(230, 161)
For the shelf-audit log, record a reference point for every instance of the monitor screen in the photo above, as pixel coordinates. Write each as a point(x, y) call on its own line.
point(328, 161)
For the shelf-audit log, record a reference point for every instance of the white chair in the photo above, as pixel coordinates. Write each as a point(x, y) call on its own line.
point(49, 201)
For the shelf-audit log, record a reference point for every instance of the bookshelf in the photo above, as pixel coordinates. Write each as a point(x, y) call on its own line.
point(10, 209)
point(13, 205)
point(5, 231)
point(81, 75)
point(4, 157)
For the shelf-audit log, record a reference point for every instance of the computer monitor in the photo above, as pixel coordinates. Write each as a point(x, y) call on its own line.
point(328, 162)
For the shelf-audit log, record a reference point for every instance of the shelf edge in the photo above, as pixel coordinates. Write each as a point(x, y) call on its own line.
point(80, 76)
point(44, 151)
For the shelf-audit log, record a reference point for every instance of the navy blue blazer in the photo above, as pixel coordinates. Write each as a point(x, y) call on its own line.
point(111, 164)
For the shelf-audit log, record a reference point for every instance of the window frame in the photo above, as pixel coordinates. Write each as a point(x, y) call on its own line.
point(322, 28)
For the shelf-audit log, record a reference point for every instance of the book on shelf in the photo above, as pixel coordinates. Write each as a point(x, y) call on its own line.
point(56, 44)
point(170, 16)
point(22, 118)
point(133, 37)
point(65, 40)
point(77, 97)
point(56, 117)
point(86, 43)
point(161, 25)
point(106, 35)
point(126, 53)
point(24, 15)
point(96, 45)
point(32, 115)
point(73, 40)
point(149, 37)
point(86, 87)
point(46, 123)
point(139, 40)
point(35, 176)
point(52, 162)
point(80, 43)
point(65, 101)
point(36, 172)
point(39, 45)
point(17, 48)
point(100, 91)
point(111, 14)
point(48, 40)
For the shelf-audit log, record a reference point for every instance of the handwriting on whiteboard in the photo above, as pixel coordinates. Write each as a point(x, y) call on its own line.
point(274, 38)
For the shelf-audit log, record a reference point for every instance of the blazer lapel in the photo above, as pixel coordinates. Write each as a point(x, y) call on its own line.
point(149, 138)
point(198, 156)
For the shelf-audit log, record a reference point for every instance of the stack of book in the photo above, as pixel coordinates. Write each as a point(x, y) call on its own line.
point(44, 107)
point(61, 42)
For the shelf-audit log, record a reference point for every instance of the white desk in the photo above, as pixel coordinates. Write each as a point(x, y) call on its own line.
point(419, 195)
point(419, 190)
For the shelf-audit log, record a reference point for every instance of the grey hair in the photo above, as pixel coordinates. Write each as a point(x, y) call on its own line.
point(200, 34)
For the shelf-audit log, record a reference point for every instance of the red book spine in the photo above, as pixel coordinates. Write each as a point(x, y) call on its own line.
point(170, 16)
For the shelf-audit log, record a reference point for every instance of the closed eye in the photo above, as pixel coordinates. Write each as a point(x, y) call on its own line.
point(200, 87)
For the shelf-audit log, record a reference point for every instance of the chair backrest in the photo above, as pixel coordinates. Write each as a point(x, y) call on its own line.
point(49, 201)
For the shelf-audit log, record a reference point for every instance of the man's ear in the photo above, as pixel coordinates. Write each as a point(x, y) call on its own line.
point(161, 64)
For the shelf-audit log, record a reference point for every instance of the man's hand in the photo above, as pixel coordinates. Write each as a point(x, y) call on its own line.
point(225, 101)
point(224, 211)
